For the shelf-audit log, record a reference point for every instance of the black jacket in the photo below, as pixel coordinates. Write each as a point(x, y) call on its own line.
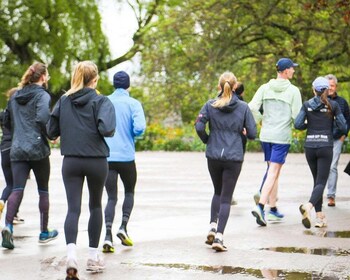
point(29, 113)
point(320, 124)
point(6, 138)
point(344, 107)
point(226, 124)
point(82, 120)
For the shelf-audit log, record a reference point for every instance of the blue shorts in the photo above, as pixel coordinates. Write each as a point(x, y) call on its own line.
point(275, 152)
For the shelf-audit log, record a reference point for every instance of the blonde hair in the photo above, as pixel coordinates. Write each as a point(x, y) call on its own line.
point(33, 74)
point(84, 73)
point(226, 84)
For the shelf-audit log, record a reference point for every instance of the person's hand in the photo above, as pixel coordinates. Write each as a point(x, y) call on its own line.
point(244, 131)
point(342, 138)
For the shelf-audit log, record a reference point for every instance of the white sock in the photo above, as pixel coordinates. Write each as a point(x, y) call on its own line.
point(219, 236)
point(93, 254)
point(71, 251)
point(213, 225)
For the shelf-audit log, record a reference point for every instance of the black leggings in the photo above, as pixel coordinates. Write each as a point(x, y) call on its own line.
point(319, 160)
point(224, 175)
point(74, 171)
point(20, 173)
point(128, 175)
point(6, 169)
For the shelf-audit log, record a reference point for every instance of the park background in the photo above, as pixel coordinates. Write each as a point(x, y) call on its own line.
point(176, 50)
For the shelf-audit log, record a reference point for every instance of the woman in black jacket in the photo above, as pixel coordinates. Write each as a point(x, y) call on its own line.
point(29, 113)
point(319, 115)
point(228, 117)
point(83, 114)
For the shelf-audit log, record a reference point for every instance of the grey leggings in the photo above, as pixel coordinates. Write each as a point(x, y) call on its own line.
point(74, 172)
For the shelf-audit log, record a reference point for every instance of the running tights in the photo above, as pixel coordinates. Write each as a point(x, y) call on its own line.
point(319, 160)
point(74, 172)
point(128, 175)
point(224, 175)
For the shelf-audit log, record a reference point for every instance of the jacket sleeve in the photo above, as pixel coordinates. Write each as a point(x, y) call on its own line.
point(256, 102)
point(346, 114)
point(296, 104)
point(53, 125)
point(138, 118)
point(249, 124)
point(201, 122)
point(340, 121)
point(299, 122)
point(42, 114)
point(106, 119)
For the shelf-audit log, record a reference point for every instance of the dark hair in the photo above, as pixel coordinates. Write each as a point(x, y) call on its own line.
point(33, 74)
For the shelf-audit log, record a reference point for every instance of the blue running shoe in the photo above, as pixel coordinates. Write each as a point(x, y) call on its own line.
point(47, 236)
point(259, 214)
point(7, 239)
point(274, 216)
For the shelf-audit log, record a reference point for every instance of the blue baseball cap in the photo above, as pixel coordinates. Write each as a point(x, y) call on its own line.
point(285, 63)
point(121, 80)
point(320, 84)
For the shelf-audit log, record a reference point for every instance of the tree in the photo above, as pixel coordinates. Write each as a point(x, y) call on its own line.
point(193, 42)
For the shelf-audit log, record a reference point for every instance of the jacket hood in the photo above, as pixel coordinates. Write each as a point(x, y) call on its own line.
point(316, 104)
point(81, 97)
point(230, 107)
point(279, 85)
point(27, 93)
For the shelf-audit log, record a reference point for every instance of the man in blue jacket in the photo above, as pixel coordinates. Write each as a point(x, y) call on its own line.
point(131, 123)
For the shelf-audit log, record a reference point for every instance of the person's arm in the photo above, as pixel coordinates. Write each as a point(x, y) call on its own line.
point(299, 122)
point(201, 122)
point(53, 125)
point(139, 120)
point(340, 121)
point(42, 112)
point(256, 102)
point(249, 125)
point(296, 104)
point(106, 119)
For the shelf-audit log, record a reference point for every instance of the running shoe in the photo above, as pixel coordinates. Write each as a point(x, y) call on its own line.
point(7, 238)
point(124, 238)
point(274, 216)
point(218, 245)
point(306, 216)
point(47, 236)
point(18, 220)
point(72, 270)
point(108, 246)
point(259, 214)
point(2, 205)
point(257, 197)
point(210, 236)
point(331, 201)
point(320, 222)
point(95, 266)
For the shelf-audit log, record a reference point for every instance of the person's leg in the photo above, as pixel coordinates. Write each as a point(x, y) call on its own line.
point(128, 175)
point(20, 171)
point(96, 170)
point(270, 182)
point(6, 169)
point(333, 172)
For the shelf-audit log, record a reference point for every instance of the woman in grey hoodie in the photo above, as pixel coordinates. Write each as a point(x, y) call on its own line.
point(227, 117)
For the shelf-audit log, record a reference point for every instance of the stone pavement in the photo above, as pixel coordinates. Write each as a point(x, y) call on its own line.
point(170, 222)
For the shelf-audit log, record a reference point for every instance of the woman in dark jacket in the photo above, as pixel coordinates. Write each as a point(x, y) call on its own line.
point(29, 113)
point(318, 115)
point(228, 117)
point(85, 115)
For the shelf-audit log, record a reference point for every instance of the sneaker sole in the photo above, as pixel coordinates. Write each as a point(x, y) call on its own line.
point(48, 240)
point(219, 248)
point(108, 248)
point(125, 241)
point(306, 220)
point(210, 238)
point(95, 269)
point(6, 240)
point(259, 221)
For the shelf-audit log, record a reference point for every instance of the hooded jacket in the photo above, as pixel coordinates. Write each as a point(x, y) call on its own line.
point(29, 113)
point(281, 103)
point(82, 119)
point(320, 124)
point(226, 124)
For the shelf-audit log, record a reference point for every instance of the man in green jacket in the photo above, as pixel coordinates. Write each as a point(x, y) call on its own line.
point(281, 103)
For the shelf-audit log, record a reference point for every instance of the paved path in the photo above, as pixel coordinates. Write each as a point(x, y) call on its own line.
point(170, 222)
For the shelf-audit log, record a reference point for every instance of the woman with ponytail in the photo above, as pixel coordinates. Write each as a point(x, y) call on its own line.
point(319, 115)
point(227, 117)
point(29, 111)
point(82, 118)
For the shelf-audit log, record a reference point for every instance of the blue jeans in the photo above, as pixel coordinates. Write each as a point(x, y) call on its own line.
point(333, 172)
